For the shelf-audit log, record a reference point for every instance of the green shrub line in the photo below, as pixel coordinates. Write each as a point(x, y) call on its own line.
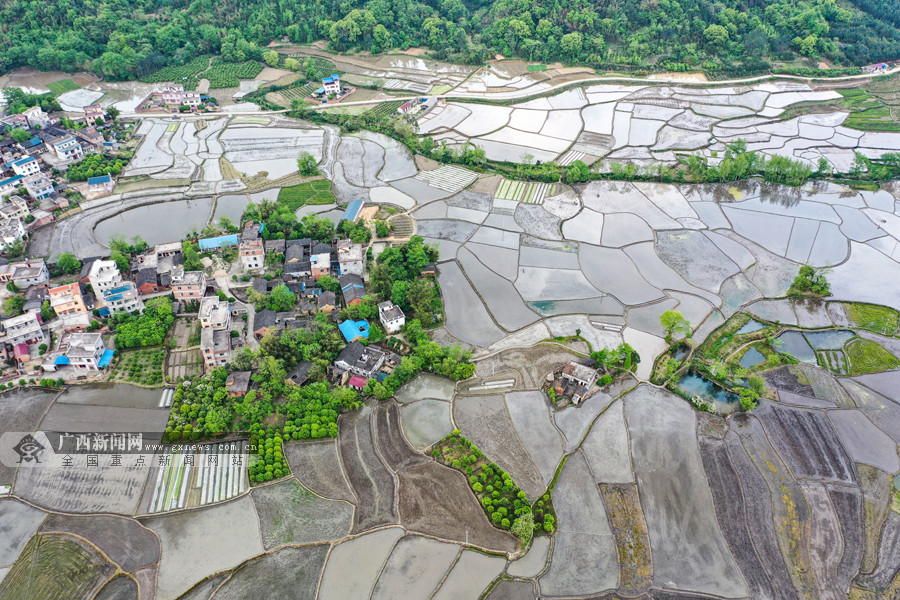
point(504, 503)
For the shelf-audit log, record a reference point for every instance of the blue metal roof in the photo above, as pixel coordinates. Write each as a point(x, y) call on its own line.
point(23, 161)
point(62, 359)
point(104, 360)
point(11, 180)
point(352, 210)
point(100, 179)
point(354, 329)
point(320, 91)
point(218, 242)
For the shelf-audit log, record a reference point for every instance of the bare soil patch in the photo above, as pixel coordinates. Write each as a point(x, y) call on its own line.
point(125, 541)
point(436, 500)
point(369, 478)
point(317, 465)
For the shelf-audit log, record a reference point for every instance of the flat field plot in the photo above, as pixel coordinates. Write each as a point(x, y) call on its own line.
point(689, 552)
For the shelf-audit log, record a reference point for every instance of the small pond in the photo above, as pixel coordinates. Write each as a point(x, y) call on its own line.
point(230, 206)
point(157, 223)
point(681, 353)
point(751, 358)
point(793, 343)
point(751, 326)
point(829, 340)
point(694, 384)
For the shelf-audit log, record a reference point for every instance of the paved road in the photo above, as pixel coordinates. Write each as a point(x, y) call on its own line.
point(526, 92)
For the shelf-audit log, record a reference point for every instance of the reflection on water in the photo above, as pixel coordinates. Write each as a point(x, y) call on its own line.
point(157, 223)
point(693, 384)
point(751, 358)
point(751, 326)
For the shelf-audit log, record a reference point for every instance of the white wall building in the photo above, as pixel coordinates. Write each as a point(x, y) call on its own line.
point(391, 316)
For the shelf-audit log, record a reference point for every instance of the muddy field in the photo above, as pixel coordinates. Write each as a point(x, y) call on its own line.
point(369, 478)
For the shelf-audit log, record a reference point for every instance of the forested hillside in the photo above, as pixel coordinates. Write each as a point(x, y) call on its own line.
point(122, 39)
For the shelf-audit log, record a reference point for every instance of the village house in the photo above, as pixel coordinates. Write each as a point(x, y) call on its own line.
point(16, 208)
point(238, 383)
point(326, 302)
point(352, 289)
point(214, 313)
point(175, 96)
point(83, 351)
point(296, 261)
point(101, 184)
point(188, 286)
point(320, 264)
point(153, 269)
point(10, 184)
point(114, 294)
point(391, 316)
point(26, 166)
point(25, 273)
point(91, 137)
point(67, 148)
point(252, 254)
point(354, 330)
point(357, 359)
point(351, 257)
point(67, 299)
point(11, 232)
point(14, 122)
point(92, 113)
point(38, 186)
point(145, 281)
point(215, 345)
point(24, 329)
point(37, 118)
point(578, 380)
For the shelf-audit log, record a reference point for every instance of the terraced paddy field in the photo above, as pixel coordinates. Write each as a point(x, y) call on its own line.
point(651, 498)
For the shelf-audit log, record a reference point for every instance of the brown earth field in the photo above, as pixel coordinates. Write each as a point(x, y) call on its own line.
point(876, 487)
point(728, 499)
point(369, 478)
point(512, 590)
point(317, 465)
point(623, 506)
point(125, 541)
point(533, 363)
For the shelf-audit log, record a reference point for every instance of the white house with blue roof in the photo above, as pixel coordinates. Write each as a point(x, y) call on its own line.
point(26, 166)
point(331, 85)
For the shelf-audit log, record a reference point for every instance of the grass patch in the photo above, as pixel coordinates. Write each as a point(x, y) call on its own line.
point(53, 567)
point(872, 317)
point(186, 73)
point(441, 89)
point(535, 68)
point(62, 86)
point(866, 356)
point(311, 192)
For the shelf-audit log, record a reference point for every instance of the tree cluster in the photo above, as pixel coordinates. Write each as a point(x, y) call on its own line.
point(397, 277)
point(620, 359)
point(809, 281)
point(95, 165)
point(147, 329)
point(18, 100)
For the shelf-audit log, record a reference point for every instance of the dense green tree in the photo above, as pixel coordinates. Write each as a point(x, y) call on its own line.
point(68, 264)
point(307, 164)
point(14, 305)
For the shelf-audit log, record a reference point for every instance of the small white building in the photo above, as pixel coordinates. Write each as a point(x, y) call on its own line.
point(174, 95)
point(214, 313)
point(332, 85)
point(38, 186)
point(83, 351)
point(391, 316)
point(25, 273)
point(10, 232)
point(351, 257)
point(67, 148)
point(37, 117)
point(26, 166)
point(24, 329)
